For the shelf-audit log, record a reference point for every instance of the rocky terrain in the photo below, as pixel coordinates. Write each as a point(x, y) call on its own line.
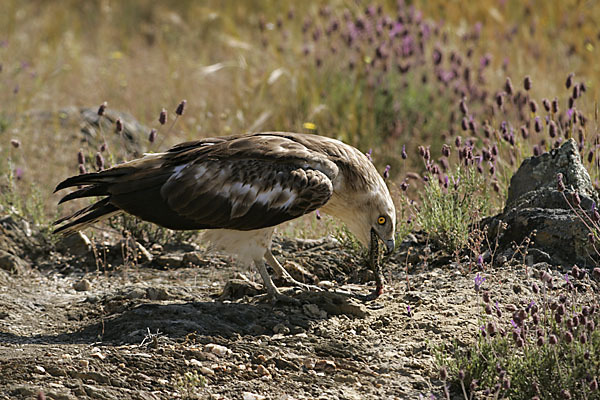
point(108, 318)
point(151, 332)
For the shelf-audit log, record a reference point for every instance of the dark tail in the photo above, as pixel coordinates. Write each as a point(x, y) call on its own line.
point(94, 184)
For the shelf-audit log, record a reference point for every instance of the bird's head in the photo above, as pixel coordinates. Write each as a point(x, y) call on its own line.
point(372, 217)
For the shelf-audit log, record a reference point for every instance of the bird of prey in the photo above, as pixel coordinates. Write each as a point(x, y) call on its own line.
point(239, 188)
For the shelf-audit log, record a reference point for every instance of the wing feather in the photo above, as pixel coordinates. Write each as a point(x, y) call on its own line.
point(239, 182)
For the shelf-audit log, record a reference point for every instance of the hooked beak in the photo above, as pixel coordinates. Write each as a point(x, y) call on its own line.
point(389, 246)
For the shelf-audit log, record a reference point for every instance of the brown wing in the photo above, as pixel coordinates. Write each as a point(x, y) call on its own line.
point(244, 194)
point(244, 183)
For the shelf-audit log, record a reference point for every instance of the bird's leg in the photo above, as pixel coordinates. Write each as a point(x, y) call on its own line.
point(283, 274)
point(272, 290)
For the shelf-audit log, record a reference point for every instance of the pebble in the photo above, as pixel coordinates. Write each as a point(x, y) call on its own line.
point(40, 369)
point(325, 365)
point(82, 286)
point(217, 349)
point(262, 370)
point(84, 363)
point(206, 371)
point(252, 396)
point(312, 310)
point(143, 256)
point(11, 263)
point(193, 258)
point(195, 362)
point(157, 293)
point(281, 328)
point(169, 260)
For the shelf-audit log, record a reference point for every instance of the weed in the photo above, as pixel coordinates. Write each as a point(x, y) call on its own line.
point(189, 383)
point(449, 208)
point(543, 344)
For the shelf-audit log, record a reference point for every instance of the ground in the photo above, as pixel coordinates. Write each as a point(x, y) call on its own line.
point(145, 331)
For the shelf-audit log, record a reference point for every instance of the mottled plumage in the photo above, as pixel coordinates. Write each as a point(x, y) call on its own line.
point(240, 188)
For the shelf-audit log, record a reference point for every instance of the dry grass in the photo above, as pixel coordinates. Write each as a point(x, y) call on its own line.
point(143, 56)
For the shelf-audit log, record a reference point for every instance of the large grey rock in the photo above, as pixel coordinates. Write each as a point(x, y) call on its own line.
point(534, 203)
point(535, 184)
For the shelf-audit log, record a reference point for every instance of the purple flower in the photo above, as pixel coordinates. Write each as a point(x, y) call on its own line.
point(386, 172)
point(19, 173)
point(318, 214)
point(569, 113)
point(478, 281)
point(368, 154)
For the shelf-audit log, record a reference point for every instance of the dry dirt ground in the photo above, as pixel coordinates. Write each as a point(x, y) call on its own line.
point(160, 330)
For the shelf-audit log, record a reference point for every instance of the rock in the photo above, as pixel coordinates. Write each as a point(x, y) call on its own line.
point(238, 288)
point(535, 184)
point(25, 390)
point(325, 365)
point(134, 293)
point(143, 255)
point(193, 258)
point(157, 294)
point(217, 349)
point(537, 215)
point(281, 329)
point(168, 260)
point(11, 263)
point(82, 286)
point(76, 244)
point(252, 396)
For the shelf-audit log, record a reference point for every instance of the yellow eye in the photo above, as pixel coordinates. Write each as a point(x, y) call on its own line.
point(381, 220)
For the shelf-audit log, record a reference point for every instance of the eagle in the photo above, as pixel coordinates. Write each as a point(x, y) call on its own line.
point(239, 188)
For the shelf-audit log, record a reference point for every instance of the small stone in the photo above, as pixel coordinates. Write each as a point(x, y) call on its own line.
point(308, 363)
point(325, 365)
point(77, 244)
point(82, 286)
point(328, 285)
point(40, 369)
point(193, 258)
point(312, 310)
point(143, 255)
point(206, 371)
point(252, 396)
point(135, 293)
point(217, 349)
point(84, 363)
point(281, 329)
point(156, 248)
point(238, 288)
point(169, 260)
point(157, 293)
point(11, 263)
point(262, 370)
point(195, 363)
point(98, 355)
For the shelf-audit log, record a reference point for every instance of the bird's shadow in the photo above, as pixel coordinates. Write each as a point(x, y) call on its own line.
point(135, 322)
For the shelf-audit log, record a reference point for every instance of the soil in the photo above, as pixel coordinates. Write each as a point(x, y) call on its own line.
point(77, 327)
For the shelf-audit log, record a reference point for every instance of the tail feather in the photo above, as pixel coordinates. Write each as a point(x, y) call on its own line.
point(87, 191)
point(92, 178)
point(86, 217)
